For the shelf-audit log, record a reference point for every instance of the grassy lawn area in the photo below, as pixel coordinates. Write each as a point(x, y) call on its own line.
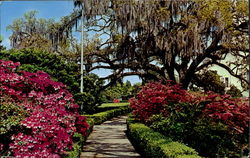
point(104, 105)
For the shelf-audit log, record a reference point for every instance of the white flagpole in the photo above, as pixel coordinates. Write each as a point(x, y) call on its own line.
point(81, 86)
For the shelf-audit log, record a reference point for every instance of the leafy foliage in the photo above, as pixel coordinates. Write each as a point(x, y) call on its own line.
point(32, 32)
point(219, 123)
point(10, 117)
point(11, 114)
point(1, 46)
point(68, 73)
point(101, 117)
point(52, 114)
point(153, 96)
point(33, 60)
point(154, 144)
point(90, 99)
point(231, 111)
point(122, 91)
point(210, 81)
point(234, 91)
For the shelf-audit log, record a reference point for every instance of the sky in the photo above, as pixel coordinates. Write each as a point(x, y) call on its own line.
point(11, 10)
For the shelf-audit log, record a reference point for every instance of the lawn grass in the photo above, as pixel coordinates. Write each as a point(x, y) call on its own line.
point(104, 105)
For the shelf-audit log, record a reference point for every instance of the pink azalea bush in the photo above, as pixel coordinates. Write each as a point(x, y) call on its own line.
point(52, 119)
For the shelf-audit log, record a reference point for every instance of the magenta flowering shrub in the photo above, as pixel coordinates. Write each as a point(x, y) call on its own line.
point(52, 114)
point(154, 96)
point(231, 111)
point(219, 123)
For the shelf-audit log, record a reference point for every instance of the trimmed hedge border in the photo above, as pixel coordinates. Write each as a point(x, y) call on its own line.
point(92, 120)
point(153, 144)
point(104, 108)
point(101, 117)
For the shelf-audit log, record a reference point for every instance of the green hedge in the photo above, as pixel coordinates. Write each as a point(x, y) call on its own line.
point(111, 106)
point(101, 117)
point(79, 140)
point(153, 144)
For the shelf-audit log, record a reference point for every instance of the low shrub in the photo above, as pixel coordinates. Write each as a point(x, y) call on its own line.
point(153, 144)
point(79, 140)
point(110, 106)
point(101, 117)
point(153, 96)
point(231, 111)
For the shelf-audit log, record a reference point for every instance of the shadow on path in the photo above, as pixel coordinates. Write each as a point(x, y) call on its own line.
point(109, 140)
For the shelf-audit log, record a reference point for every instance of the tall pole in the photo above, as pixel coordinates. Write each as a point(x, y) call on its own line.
point(248, 61)
point(81, 86)
point(0, 22)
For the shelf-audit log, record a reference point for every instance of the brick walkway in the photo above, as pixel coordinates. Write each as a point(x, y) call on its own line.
point(109, 140)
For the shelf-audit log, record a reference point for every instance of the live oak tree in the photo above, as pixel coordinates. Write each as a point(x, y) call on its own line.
point(167, 39)
point(32, 32)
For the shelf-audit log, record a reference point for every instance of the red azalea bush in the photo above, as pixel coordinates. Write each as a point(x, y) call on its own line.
point(219, 123)
point(116, 101)
point(154, 96)
point(52, 114)
point(231, 111)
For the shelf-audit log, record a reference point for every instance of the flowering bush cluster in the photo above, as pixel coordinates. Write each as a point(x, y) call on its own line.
point(52, 114)
point(231, 111)
point(219, 123)
point(116, 101)
point(68, 73)
point(154, 96)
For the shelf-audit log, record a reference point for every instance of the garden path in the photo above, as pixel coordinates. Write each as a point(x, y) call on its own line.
point(109, 140)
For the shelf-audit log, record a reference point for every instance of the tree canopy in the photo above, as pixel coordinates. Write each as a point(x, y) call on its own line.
point(162, 40)
point(32, 32)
